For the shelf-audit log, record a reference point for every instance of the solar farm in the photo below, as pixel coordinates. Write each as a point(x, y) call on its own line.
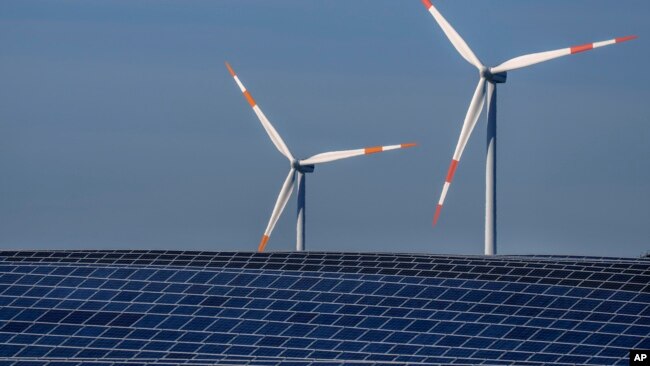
point(300, 308)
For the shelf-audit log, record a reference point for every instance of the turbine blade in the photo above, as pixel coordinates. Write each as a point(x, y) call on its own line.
point(453, 36)
point(473, 113)
point(535, 58)
point(337, 155)
point(280, 203)
point(270, 130)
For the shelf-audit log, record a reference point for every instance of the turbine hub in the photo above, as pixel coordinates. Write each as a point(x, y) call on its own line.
point(302, 168)
point(498, 78)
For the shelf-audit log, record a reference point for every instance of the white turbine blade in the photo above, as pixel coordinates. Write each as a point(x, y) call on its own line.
point(535, 58)
point(473, 113)
point(337, 155)
point(453, 36)
point(283, 198)
point(273, 134)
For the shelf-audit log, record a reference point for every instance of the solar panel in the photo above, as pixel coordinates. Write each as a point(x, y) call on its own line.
point(320, 308)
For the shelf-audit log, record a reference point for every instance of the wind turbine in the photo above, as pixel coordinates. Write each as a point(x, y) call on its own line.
point(299, 167)
point(489, 78)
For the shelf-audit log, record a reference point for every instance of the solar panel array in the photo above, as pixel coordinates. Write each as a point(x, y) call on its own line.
point(140, 307)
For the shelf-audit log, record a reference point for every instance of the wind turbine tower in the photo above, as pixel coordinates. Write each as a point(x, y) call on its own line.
point(299, 168)
point(486, 93)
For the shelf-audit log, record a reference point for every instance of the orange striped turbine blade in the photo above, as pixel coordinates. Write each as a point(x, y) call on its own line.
point(456, 40)
point(378, 149)
point(268, 127)
point(373, 150)
point(262, 246)
point(473, 113)
point(280, 203)
point(232, 72)
point(344, 154)
point(436, 216)
point(535, 58)
point(445, 188)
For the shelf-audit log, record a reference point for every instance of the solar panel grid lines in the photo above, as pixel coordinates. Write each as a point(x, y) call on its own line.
point(55, 361)
point(225, 362)
point(639, 280)
point(339, 298)
point(280, 255)
point(232, 361)
point(386, 281)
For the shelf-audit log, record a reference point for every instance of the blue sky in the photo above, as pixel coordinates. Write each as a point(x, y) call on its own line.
point(120, 127)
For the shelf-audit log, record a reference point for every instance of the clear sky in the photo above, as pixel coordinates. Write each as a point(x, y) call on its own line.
point(120, 127)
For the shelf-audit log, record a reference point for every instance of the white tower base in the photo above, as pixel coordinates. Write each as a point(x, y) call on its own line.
point(300, 225)
point(491, 172)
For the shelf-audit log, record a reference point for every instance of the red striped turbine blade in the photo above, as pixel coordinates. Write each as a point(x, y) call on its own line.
point(535, 58)
point(270, 130)
point(344, 154)
point(473, 112)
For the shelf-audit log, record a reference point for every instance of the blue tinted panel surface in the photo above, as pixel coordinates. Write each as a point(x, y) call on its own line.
point(269, 308)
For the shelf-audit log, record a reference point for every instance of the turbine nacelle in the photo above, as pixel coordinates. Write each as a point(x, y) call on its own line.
point(497, 78)
point(307, 168)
